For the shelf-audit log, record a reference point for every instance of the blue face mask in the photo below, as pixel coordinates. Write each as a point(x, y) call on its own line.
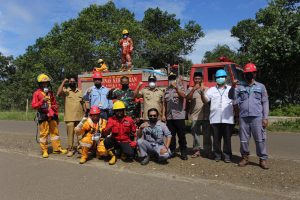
point(221, 80)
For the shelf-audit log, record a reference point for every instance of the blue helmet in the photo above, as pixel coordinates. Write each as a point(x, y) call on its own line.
point(221, 73)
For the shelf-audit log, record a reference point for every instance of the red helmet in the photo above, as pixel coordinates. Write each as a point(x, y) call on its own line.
point(249, 67)
point(97, 75)
point(94, 110)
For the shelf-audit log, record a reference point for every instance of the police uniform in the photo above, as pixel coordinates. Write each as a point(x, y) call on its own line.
point(254, 107)
point(152, 140)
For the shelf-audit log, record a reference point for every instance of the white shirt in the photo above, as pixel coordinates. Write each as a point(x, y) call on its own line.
point(221, 109)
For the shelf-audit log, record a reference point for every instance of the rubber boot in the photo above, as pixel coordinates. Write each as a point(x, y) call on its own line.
point(244, 161)
point(84, 155)
point(113, 158)
point(123, 157)
point(61, 150)
point(45, 154)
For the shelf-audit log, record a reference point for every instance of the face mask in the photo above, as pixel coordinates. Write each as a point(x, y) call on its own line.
point(221, 80)
point(249, 76)
point(125, 86)
point(153, 120)
point(46, 90)
point(152, 85)
point(125, 36)
point(72, 85)
point(98, 85)
point(119, 115)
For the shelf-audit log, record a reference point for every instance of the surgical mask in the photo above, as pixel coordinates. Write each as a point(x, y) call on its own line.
point(249, 76)
point(152, 85)
point(153, 120)
point(125, 86)
point(46, 90)
point(221, 80)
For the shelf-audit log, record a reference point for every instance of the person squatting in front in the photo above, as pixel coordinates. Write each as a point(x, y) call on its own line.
point(91, 129)
point(122, 128)
point(43, 100)
point(154, 138)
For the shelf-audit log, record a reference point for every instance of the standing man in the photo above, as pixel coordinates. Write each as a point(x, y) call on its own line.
point(155, 138)
point(252, 100)
point(221, 116)
point(126, 44)
point(43, 100)
point(175, 114)
point(198, 112)
point(126, 95)
point(121, 128)
point(97, 96)
point(153, 97)
point(73, 109)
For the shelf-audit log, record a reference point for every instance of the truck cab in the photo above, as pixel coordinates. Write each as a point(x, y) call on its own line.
point(208, 70)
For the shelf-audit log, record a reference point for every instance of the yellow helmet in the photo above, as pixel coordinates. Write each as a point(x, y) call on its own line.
point(125, 31)
point(118, 105)
point(43, 78)
point(100, 60)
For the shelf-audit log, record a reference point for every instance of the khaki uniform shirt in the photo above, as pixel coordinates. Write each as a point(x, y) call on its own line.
point(73, 105)
point(197, 110)
point(152, 99)
point(174, 103)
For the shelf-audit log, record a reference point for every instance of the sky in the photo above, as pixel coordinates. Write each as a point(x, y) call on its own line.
point(23, 21)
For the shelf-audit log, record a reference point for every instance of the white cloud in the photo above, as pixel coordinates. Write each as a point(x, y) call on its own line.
point(210, 41)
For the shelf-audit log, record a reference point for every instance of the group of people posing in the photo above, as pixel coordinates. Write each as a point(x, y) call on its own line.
point(107, 122)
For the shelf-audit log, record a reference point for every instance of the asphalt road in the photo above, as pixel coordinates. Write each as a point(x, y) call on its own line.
point(25, 175)
point(30, 178)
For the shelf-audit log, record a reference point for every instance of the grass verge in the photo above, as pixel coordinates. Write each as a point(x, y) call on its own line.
point(285, 126)
point(21, 116)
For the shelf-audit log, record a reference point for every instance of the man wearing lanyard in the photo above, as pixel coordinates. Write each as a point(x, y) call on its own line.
point(97, 96)
point(221, 116)
point(252, 100)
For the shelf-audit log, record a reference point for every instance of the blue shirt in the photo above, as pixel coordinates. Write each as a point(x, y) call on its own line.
point(98, 97)
point(155, 134)
point(252, 100)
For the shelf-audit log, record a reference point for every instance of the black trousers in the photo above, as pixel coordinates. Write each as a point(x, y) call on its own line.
point(177, 126)
point(111, 142)
point(220, 131)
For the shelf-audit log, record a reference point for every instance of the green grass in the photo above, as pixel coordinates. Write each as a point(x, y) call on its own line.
point(285, 126)
point(288, 111)
point(21, 116)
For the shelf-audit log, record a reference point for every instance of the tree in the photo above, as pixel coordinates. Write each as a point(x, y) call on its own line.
point(74, 46)
point(167, 42)
point(219, 51)
point(272, 42)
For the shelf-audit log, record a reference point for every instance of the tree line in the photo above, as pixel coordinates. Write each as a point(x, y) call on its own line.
point(271, 41)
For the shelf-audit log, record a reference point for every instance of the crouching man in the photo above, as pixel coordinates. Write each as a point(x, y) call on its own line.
point(155, 138)
point(91, 129)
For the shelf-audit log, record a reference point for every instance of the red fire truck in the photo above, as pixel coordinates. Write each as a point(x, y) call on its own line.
point(112, 79)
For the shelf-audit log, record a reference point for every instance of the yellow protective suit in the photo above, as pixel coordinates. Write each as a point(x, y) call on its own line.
point(47, 127)
point(88, 129)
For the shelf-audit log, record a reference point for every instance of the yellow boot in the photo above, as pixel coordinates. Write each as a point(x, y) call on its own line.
point(84, 155)
point(113, 158)
point(45, 154)
point(61, 150)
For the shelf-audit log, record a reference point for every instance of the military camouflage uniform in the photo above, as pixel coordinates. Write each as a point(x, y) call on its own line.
point(127, 96)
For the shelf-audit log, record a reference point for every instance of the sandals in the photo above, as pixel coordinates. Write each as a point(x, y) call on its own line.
point(196, 154)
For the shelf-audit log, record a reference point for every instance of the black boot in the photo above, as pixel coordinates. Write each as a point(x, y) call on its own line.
point(183, 155)
point(145, 160)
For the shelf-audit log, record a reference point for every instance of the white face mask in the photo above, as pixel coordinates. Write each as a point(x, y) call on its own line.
point(171, 82)
point(46, 90)
point(152, 84)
